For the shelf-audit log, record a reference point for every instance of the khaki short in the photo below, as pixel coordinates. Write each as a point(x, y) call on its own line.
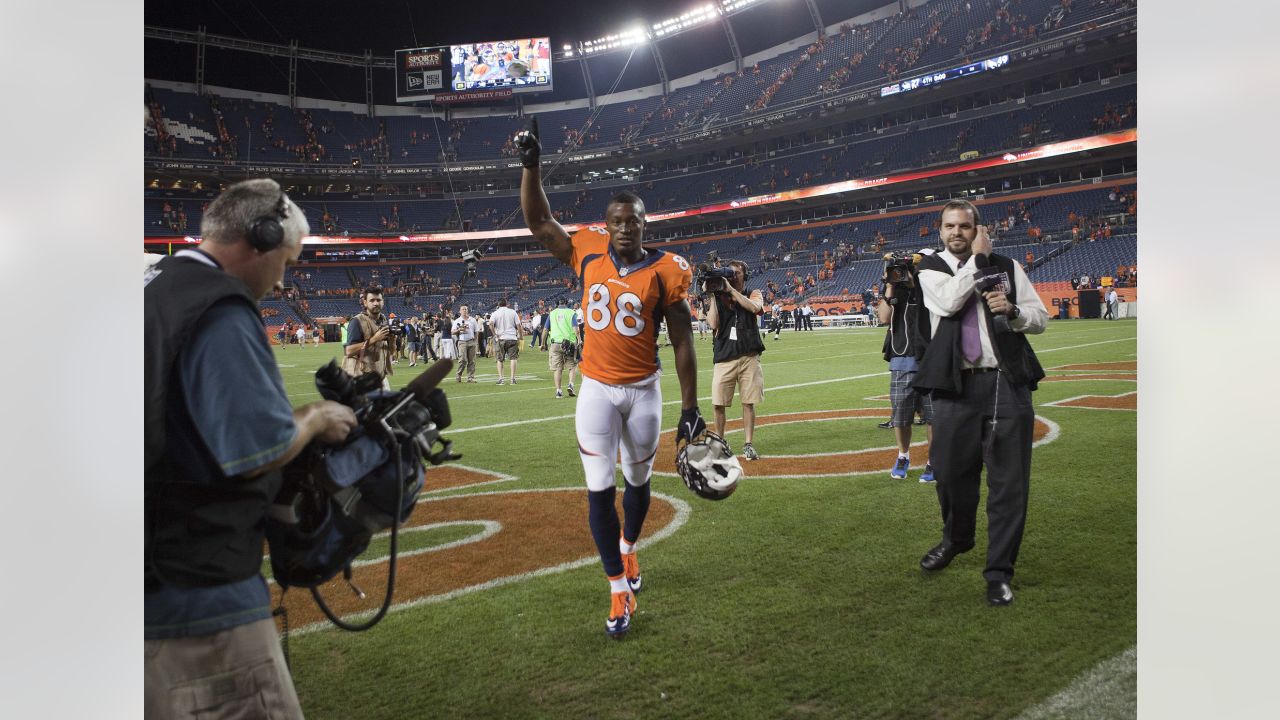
point(744, 372)
point(508, 350)
point(238, 672)
point(560, 359)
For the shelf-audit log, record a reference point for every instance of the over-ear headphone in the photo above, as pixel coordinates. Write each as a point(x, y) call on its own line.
point(266, 233)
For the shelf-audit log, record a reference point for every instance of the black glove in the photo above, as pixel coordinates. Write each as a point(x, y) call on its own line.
point(529, 146)
point(691, 425)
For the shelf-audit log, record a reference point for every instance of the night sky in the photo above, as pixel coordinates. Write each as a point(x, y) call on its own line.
point(385, 25)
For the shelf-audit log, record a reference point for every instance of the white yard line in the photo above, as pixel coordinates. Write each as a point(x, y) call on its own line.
point(1108, 690)
point(532, 421)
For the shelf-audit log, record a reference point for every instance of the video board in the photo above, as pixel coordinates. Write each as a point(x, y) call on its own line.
point(523, 64)
point(473, 71)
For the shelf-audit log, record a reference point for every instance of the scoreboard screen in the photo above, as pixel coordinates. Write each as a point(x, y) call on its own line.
point(482, 69)
point(939, 77)
point(516, 64)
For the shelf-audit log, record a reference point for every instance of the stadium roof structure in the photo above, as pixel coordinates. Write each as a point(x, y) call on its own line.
point(268, 47)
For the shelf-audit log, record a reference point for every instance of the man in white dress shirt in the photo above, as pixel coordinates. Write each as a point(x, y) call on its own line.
point(465, 331)
point(980, 371)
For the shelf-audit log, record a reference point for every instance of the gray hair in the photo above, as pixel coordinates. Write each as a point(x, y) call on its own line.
point(228, 217)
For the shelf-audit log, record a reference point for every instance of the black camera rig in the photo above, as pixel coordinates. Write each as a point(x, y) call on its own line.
point(712, 279)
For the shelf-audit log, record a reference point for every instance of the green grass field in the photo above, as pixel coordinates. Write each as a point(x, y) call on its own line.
point(796, 597)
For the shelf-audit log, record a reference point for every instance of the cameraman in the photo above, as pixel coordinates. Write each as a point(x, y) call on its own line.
point(736, 344)
point(218, 427)
point(902, 311)
point(370, 342)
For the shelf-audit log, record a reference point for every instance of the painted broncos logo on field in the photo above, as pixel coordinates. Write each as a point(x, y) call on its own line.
point(521, 534)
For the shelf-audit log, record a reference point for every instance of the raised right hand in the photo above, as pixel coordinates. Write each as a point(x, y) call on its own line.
point(529, 146)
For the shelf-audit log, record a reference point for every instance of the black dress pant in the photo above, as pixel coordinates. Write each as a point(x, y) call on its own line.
point(989, 424)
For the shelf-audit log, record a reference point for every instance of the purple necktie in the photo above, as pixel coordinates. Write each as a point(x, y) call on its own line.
point(970, 343)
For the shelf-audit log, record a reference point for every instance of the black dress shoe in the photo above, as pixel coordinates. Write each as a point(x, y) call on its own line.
point(885, 425)
point(999, 593)
point(942, 554)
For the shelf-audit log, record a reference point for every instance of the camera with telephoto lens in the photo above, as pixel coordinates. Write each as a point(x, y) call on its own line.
point(395, 327)
point(713, 279)
point(900, 268)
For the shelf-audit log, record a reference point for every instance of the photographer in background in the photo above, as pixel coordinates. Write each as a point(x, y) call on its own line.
point(564, 343)
point(218, 427)
point(736, 344)
point(427, 331)
point(902, 311)
point(370, 341)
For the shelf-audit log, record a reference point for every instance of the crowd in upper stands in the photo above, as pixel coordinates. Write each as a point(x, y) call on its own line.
point(836, 260)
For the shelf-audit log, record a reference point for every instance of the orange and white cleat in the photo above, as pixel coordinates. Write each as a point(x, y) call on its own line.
point(620, 610)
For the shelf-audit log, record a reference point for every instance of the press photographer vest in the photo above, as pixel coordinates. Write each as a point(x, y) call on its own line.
point(378, 361)
point(908, 333)
point(940, 368)
point(197, 534)
point(733, 315)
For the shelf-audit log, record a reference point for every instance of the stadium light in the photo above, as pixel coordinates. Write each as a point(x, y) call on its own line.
point(707, 12)
point(626, 38)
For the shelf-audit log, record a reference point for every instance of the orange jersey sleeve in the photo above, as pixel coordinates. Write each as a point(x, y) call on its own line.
point(623, 306)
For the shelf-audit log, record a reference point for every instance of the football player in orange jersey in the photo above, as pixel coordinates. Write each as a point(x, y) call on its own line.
point(628, 290)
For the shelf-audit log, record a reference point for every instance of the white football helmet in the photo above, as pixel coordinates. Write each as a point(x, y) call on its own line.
point(708, 467)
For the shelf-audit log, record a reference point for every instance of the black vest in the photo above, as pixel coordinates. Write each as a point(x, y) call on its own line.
point(908, 333)
point(733, 315)
point(940, 368)
point(198, 534)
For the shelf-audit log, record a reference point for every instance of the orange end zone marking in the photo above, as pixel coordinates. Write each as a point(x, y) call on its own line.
point(452, 476)
point(539, 530)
